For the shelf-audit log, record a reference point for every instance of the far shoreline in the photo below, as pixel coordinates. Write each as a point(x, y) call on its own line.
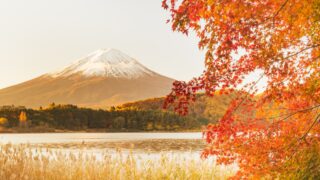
point(57, 131)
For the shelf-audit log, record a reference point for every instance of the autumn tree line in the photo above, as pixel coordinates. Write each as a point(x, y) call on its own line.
point(71, 117)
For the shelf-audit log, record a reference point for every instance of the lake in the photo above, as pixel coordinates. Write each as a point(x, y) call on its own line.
point(133, 142)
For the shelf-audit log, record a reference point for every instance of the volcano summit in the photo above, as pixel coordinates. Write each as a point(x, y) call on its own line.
point(103, 78)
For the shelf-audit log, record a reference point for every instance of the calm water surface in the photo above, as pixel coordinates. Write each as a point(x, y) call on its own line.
point(93, 137)
point(134, 142)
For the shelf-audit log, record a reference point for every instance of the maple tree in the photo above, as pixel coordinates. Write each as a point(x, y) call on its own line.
point(280, 39)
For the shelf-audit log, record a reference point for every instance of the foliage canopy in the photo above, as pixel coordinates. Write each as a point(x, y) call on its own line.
point(281, 41)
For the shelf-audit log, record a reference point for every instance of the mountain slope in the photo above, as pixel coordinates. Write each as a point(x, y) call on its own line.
point(101, 79)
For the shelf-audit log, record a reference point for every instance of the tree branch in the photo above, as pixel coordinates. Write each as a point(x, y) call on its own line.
point(303, 137)
point(282, 6)
point(276, 13)
point(243, 99)
point(310, 128)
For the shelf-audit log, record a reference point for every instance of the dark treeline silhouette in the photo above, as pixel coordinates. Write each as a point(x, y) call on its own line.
point(71, 117)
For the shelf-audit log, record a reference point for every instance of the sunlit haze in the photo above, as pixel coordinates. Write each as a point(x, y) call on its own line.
point(41, 36)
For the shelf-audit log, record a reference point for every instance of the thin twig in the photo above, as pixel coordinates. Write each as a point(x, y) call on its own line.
point(282, 6)
point(299, 111)
point(243, 99)
point(288, 115)
point(302, 50)
point(276, 13)
point(310, 128)
point(306, 133)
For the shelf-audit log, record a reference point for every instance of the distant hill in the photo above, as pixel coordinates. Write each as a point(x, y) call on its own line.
point(207, 108)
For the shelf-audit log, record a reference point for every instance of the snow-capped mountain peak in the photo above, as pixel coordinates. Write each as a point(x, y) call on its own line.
point(110, 56)
point(107, 63)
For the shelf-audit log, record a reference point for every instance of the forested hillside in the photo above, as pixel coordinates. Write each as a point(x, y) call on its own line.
point(147, 115)
point(205, 108)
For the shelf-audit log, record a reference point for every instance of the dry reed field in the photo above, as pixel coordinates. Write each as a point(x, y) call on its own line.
point(30, 162)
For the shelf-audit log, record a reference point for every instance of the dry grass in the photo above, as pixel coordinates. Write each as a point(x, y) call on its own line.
point(26, 162)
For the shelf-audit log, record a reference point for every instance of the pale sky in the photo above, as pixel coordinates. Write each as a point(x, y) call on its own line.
point(41, 36)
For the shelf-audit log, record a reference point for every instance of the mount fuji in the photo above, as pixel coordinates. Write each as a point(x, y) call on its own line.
point(107, 63)
point(103, 78)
